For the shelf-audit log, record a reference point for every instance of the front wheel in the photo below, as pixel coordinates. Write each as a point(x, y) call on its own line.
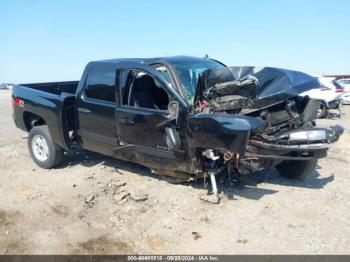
point(296, 168)
point(42, 149)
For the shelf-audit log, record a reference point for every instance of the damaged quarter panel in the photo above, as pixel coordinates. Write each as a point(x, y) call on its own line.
point(222, 131)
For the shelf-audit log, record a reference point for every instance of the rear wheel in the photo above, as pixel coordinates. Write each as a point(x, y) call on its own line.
point(296, 168)
point(42, 149)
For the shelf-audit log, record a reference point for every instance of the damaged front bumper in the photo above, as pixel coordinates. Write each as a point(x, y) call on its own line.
point(313, 135)
point(295, 145)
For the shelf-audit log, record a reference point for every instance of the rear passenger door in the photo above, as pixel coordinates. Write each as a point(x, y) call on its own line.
point(96, 108)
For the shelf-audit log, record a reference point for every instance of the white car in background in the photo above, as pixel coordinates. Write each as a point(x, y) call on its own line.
point(345, 83)
point(4, 86)
point(329, 94)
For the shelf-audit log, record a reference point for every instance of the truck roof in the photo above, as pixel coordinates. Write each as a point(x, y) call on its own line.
point(166, 59)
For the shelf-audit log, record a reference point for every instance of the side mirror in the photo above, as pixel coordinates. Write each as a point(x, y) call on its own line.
point(172, 137)
point(173, 109)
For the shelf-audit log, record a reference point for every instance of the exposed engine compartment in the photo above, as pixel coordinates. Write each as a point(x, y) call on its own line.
point(263, 114)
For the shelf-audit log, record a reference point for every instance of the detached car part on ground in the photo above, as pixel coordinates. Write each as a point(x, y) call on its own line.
point(183, 117)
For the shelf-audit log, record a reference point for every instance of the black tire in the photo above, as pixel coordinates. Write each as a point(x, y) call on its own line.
point(53, 154)
point(296, 168)
point(322, 110)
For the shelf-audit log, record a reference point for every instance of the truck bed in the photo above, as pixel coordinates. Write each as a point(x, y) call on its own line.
point(55, 87)
point(51, 103)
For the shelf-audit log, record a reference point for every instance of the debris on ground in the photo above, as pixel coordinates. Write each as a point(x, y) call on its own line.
point(112, 188)
point(205, 219)
point(89, 200)
point(212, 198)
point(118, 172)
point(121, 195)
point(334, 114)
point(91, 177)
point(196, 235)
point(242, 241)
point(138, 196)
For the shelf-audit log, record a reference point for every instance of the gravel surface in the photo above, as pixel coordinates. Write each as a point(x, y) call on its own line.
point(93, 204)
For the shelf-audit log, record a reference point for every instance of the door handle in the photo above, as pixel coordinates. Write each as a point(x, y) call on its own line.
point(127, 122)
point(84, 110)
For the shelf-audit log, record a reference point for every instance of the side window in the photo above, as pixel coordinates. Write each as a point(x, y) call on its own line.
point(100, 84)
point(144, 91)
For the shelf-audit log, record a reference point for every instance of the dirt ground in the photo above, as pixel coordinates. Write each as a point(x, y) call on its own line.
point(90, 205)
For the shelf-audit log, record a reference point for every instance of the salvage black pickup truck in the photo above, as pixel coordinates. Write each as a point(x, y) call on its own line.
point(180, 116)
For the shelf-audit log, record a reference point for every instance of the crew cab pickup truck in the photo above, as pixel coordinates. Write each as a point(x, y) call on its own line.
point(180, 116)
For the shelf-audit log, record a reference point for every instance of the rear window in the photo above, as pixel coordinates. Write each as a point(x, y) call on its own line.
point(100, 84)
point(337, 85)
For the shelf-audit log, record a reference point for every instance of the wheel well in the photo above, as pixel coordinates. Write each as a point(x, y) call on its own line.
point(31, 120)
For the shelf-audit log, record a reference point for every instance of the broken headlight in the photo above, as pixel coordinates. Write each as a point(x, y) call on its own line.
point(308, 135)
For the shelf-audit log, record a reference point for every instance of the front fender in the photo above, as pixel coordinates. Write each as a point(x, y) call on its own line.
point(222, 131)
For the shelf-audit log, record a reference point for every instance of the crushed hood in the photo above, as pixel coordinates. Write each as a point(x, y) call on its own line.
point(263, 86)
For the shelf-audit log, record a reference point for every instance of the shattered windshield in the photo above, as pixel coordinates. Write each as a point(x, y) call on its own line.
point(189, 72)
point(164, 71)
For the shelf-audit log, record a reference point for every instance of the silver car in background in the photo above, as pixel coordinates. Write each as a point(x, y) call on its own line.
point(345, 83)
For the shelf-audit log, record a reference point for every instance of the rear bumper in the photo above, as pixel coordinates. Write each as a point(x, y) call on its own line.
point(346, 98)
point(334, 104)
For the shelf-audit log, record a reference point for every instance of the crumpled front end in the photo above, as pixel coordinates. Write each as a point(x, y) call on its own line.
point(247, 119)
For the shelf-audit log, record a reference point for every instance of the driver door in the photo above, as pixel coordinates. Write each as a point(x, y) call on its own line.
point(141, 119)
